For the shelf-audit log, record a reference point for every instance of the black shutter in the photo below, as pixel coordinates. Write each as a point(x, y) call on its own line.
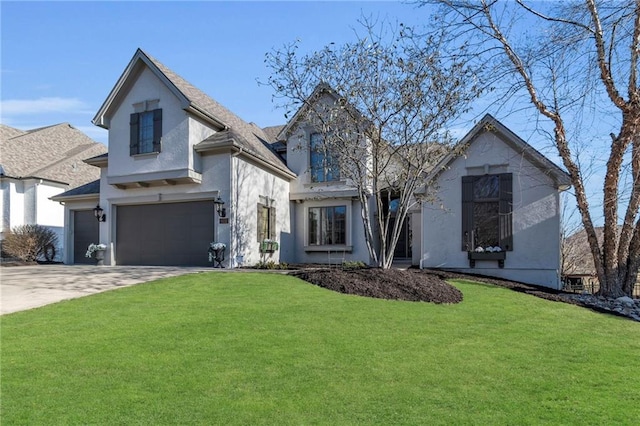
point(272, 223)
point(134, 133)
point(506, 211)
point(157, 129)
point(467, 213)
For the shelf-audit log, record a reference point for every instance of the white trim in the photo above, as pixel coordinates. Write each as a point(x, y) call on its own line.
point(160, 198)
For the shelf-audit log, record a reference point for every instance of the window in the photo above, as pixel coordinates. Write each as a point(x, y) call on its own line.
point(328, 225)
point(324, 167)
point(266, 223)
point(487, 211)
point(146, 131)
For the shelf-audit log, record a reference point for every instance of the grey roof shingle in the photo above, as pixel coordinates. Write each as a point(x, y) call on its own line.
point(54, 153)
point(7, 132)
point(272, 132)
point(91, 188)
point(253, 139)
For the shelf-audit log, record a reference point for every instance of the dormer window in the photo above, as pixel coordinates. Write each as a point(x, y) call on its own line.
point(146, 132)
point(324, 166)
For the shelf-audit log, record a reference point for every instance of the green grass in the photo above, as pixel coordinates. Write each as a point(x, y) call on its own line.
point(270, 349)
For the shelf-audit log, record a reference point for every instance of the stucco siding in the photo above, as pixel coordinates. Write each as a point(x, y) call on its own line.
point(298, 161)
point(215, 182)
point(49, 213)
point(252, 185)
point(355, 248)
point(536, 216)
point(5, 206)
point(175, 153)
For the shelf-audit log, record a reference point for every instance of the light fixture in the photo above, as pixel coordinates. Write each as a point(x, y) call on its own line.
point(222, 212)
point(98, 213)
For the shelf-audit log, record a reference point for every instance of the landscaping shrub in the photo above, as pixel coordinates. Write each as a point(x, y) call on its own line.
point(30, 242)
point(353, 264)
point(271, 265)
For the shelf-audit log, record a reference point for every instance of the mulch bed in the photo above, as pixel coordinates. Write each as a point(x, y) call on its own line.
point(410, 285)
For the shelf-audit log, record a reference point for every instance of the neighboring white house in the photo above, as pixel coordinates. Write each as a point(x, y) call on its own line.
point(175, 154)
point(37, 164)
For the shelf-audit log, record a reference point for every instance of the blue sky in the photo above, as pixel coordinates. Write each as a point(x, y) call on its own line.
point(61, 59)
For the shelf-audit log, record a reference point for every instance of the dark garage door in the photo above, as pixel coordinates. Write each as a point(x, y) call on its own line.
point(86, 230)
point(164, 234)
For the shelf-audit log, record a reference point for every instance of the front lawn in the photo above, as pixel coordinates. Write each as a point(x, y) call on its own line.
point(250, 348)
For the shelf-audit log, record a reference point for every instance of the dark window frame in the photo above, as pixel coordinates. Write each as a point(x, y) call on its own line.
point(137, 131)
point(504, 202)
point(330, 229)
point(322, 165)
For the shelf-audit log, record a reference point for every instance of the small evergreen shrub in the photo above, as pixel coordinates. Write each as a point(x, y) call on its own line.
point(271, 265)
point(351, 265)
point(30, 243)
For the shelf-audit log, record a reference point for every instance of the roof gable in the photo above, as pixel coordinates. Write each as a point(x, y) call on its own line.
point(194, 101)
point(489, 123)
point(321, 90)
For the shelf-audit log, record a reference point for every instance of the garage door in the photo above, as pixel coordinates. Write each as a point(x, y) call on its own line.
point(86, 230)
point(164, 234)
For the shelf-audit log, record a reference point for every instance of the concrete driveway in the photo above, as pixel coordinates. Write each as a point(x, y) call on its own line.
point(27, 287)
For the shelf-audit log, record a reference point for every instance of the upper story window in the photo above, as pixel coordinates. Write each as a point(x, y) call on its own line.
point(324, 166)
point(487, 205)
point(146, 132)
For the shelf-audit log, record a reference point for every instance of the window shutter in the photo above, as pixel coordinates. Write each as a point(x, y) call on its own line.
point(467, 213)
point(157, 129)
point(272, 223)
point(261, 223)
point(134, 133)
point(506, 211)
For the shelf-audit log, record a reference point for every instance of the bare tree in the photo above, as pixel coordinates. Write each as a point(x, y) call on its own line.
point(573, 60)
point(381, 103)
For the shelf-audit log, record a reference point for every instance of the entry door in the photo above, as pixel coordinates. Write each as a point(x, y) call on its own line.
point(403, 248)
point(86, 230)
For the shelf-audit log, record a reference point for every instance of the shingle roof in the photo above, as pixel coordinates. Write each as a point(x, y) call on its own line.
point(91, 188)
point(54, 153)
point(252, 140)
point(272, 132)
point(7, 132)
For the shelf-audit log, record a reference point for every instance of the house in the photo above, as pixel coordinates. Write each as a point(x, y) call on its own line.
point(183, 171)
point(496, 210)
point(578, 269)
point(38, 164)
point(173, 153)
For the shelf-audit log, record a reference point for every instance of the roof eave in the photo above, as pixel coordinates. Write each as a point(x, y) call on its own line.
point(81, 197)
point(98, 162)
point(200, 113)
point(230, 145)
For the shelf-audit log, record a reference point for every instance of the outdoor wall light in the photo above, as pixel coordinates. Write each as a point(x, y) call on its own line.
point(98, 212)
point(222, 212)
